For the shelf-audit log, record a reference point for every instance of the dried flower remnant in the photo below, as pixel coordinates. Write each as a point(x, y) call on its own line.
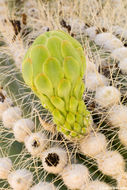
point(54, 160)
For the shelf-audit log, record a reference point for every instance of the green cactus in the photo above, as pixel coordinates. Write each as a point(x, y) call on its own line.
point(104, 150)
point(53, 67)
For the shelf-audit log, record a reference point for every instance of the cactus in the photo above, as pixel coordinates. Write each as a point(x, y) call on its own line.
point(53, 68)
point(38, 148)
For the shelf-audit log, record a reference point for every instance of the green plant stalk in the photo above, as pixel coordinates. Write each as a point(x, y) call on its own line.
point(53, 67)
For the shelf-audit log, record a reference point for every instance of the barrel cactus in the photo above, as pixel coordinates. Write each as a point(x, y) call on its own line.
point(92, 153)
point(53, 67)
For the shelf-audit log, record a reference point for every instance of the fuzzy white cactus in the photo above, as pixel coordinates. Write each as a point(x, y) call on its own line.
point(20, 179)
point(107, 96)
point(108, 41)
point(118, 116)
point(91, 32)
point(122, 180)
point(102, 38)
point(93, 145)
point(98, 141)
point(22, 128)
point(123, 136)
point(119, 54)
point(4, 104)
point(123, 66)
point(120, 31)
point(44, 186)
point(76, 176)
point(5, 167)
point(93, 80)
point(111, 163)
point(113, 44)
point(78, 26)
point(97, 185)
point(10, 116)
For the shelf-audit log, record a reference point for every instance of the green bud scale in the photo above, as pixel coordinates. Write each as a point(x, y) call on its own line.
point(53, 67)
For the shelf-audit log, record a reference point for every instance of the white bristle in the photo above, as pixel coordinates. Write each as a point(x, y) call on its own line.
point(107, 96)
point(10, 116)
point(43, 186)
point(76, 176)
point(123, 136)
point(102, 37)
point(123, 66)
point(20, 179)
point(111, 163)
point(93, 144)
point(54, 160)
point(95, 80)
point(98, 185)
point(118, 116)
point(22, 128)
point(91, 32)
point(35, 143)
point(5, 167)
point(119, 54)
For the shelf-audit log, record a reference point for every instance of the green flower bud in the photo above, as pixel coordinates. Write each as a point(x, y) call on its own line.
point(53, 67)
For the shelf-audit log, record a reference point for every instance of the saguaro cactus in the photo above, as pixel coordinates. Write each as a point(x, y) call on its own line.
point(53, 67)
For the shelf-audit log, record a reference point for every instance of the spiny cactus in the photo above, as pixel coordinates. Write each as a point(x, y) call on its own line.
point(54, 67)
point(33, 154)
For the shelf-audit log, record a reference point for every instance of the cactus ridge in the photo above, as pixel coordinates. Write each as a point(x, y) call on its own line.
point(54, 67)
